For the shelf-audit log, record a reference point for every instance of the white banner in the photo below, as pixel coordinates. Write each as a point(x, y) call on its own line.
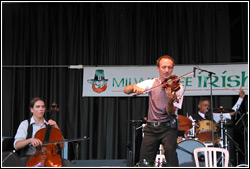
point(110, 81)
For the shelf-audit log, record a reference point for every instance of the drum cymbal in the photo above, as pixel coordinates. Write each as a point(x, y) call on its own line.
point(184, 123)
point(222, 110)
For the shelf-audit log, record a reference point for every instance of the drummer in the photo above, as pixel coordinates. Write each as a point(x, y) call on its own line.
point(204, 105)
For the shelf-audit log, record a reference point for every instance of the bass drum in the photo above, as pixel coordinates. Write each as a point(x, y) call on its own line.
point(185, 152)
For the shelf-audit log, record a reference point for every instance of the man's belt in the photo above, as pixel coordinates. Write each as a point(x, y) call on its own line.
point(157, 124)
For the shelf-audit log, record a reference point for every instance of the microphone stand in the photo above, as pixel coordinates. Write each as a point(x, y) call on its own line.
point(211, 102)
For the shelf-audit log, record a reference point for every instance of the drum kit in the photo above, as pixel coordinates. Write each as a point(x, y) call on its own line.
point(198, 135)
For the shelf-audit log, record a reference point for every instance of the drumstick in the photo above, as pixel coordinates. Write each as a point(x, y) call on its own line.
point(235, 90)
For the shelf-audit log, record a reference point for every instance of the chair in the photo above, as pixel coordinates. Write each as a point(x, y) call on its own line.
point(211, 154)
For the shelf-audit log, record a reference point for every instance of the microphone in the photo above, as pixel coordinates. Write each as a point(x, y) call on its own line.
point(206, 114)
point(194, 70)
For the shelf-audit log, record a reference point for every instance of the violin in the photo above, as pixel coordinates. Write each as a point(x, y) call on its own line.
point(47, 155)
point(172, 82)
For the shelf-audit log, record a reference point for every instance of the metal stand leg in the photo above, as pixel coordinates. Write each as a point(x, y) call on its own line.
point(222, 140)
point(76, 148)
point(134, 124)
point(236, 145)
point(226, 140)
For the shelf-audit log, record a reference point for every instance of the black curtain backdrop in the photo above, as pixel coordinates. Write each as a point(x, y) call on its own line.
point(48, 37)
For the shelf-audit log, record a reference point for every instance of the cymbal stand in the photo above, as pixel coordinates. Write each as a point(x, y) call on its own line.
point(224, 134)
point(226, 140)
point(222, 141)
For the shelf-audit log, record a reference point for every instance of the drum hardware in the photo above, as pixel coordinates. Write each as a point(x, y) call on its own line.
point(160, 160)
point(223, 125)
point(222, 110)
point(192, 130)
point(208, 144)
point(144, 163)
point(222, 131)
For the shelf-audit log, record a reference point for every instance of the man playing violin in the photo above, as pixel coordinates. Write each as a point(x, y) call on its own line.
point(162, 121)
point(25, 140)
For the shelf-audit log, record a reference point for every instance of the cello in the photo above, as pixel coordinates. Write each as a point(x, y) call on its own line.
point(47, 154)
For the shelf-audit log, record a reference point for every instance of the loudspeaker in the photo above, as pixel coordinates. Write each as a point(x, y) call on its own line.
point(7, 144)
point(10, 159)
point(99, 163)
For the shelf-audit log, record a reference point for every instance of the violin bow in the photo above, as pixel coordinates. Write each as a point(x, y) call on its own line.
point(168, 82)
point(65, 140)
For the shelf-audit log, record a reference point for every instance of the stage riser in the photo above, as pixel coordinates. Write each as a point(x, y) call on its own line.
point(99, 163)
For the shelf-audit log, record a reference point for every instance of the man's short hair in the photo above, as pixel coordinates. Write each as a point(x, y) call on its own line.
point(203, 99)
point(164, 57)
